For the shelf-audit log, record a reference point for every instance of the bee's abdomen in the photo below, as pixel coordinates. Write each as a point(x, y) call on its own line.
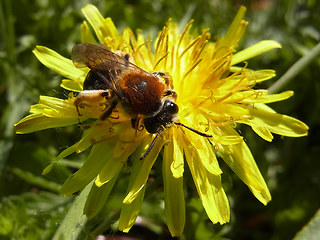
point(143, 93)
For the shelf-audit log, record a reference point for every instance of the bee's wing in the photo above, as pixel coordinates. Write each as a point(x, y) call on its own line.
point(103, 62)
point(98, 58)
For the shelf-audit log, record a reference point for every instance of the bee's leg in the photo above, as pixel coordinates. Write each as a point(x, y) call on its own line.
point(87, 97)
point(108, 112)
point(76, 103)
point(168, 82)
point(160, 74)
point(171, 93)
point(136, 123)
point(107, 94)
point(167, 79)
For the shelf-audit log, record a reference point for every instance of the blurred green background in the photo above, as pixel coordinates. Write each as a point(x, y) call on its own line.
point(31, 206)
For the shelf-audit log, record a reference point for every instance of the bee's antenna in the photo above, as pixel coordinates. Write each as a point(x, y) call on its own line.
point(194, 130)
point(152, 143)
point(161, 130)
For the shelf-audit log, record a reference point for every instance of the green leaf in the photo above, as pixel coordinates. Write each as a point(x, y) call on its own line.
point(311, 231)
point(73, 223)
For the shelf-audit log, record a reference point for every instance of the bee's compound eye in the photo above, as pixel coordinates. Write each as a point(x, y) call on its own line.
point(163, 118)
point(170, 107)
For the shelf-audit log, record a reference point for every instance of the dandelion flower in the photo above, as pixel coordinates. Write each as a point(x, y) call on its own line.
point(215, 93)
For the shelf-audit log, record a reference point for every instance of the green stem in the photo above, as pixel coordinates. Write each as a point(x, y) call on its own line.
point(295, 69)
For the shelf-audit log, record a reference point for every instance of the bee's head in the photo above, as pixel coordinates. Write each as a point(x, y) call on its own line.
point(166, 115)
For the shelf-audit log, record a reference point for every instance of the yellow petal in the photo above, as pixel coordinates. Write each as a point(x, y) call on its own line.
point(56, 107)
point(113, 165)
point(110, 29)
point(240, 160)
point(93, 164)
point(253, 76)
point(204, 150)
point(233, 35)
point(200, 145)
point(264, 116)
point(262, 96)
point(95, 19)
point(254, 50)
point(38, 122)
point(103, 28)
point(92, 135)
point(58, 63)
point(263, 132)
point(68, 151)
point(225, 111)
point(217, 137)
point(97, 198)
point(86, 35)
point(173, 194)
point(71, 85)
point(49, 113)
point(109, 170)
point(177, 165)
point(130, 212)
point(48, 168)
point(225, 140)
point(212, 195)
point(141, 168)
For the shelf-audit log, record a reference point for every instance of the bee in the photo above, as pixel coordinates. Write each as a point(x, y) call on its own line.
point(148, 98)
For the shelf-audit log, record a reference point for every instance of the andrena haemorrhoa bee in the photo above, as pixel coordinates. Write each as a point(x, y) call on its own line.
point(147, 98)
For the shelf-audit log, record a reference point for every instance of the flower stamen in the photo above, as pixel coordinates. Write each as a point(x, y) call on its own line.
point(192, 67)
point(158, 62)
point(137, 51)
